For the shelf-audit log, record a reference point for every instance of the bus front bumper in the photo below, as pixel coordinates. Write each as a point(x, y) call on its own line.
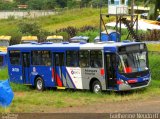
point(124, 87)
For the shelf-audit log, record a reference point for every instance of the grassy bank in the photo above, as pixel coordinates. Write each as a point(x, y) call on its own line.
point(76, 18)
point(3, 74)
point(27, 99)
point(154, 47)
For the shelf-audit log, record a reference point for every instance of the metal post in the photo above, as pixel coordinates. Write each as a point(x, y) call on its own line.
point(132, 12)
point(120, 30)
point(137, 28)
point(100, 25)
point(116, 23)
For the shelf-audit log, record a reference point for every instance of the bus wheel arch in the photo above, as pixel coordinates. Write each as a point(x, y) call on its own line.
point(39, 83)
point(95, 85)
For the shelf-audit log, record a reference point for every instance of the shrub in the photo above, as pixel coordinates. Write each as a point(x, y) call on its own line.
point(11, 17)
point(71, 31)
point(15, 37)
point(33, 28)
point(152, 35)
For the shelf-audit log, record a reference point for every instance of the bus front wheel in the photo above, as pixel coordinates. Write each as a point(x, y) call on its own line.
point(39, 84)
point(96, 87)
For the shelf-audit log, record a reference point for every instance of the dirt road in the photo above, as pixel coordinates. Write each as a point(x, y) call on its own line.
point(151, 105)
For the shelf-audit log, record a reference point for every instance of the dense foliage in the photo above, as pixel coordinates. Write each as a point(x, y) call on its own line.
point(52, 4)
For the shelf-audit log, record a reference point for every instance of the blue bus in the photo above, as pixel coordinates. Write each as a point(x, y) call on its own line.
point(3, 59)
point(117, 66)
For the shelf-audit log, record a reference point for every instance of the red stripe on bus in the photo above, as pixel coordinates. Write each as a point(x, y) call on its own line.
point(58, 80)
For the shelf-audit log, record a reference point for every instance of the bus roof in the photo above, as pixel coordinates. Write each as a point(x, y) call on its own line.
point(29, 38)
point(54, 37)
point(62, 46)
point(7, 38)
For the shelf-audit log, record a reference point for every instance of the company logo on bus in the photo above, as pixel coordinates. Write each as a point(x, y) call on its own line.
point(75, 72)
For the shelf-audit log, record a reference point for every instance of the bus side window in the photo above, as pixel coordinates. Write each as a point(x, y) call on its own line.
point(14, 57)
point(84, 58)
point(72, 58)
point(35, 58)
point(46, 58)
point(95, 59)
point(41, 58)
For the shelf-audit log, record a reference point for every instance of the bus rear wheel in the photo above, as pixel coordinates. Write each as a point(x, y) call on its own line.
point(39, 84)
point(96, 87)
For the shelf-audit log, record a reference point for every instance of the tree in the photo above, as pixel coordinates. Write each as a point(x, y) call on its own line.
point(41, 4)
point(7, 5)
point(21, 1)
point(49, 4)
point(97, 3)
point(62, 3)
point(35, 4)
point(84, 3)
point(155, 5)
point(71, 3)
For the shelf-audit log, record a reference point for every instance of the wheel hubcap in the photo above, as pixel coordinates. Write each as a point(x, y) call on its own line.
point(97, 88)
point(39, 84)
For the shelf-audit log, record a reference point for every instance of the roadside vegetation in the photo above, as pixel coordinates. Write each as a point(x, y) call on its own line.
point(28, 99)
point(49, 25)
point(73, 20)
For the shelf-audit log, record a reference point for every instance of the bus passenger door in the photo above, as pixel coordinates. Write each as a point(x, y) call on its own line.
point(58, 69)
point(110, 67)
point(25, 67)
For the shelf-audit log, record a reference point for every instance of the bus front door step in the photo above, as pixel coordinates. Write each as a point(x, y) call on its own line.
point(61, 87)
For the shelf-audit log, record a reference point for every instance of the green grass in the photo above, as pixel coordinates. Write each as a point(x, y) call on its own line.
point(76, 18)
point(27, 99)
point(153, 47)
point(3, 74)
point(34, 101)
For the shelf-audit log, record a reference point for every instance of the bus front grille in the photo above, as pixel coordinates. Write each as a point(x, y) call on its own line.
point(139, 84)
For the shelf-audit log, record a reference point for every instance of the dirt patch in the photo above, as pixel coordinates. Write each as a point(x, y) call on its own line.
point(151, 105)
point(19, 94)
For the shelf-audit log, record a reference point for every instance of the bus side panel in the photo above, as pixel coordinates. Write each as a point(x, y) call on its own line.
point(15, 74)
point(64, 76)
point(73, 77)
point(93, 73)
point(45, 72)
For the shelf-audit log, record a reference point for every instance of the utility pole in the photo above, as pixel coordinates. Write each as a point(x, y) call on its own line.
point(100, 24)
point(132, 11)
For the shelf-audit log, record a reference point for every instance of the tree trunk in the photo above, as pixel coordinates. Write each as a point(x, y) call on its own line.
point(155, 10)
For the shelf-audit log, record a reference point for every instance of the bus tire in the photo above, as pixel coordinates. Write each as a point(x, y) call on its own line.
point(39, 84)
point(96, 87)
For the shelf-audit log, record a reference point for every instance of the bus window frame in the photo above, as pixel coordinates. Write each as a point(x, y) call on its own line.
point(20, 58)
point(51, 63)
point(101, 59)
point(77, 57)
point(88, 59)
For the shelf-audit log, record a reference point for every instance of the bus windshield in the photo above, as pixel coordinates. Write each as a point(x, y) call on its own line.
point(133, 62)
